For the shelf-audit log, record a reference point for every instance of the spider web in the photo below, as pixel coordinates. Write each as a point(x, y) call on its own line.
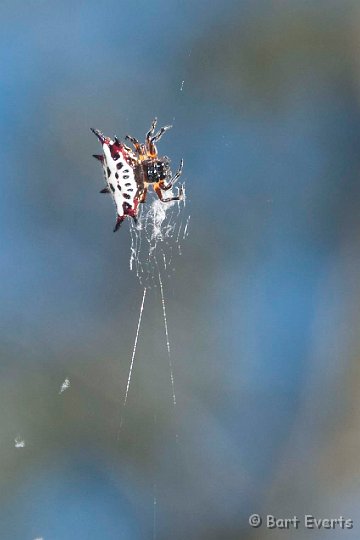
point(156, 241)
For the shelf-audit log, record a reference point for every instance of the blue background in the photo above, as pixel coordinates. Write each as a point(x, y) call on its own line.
point(263, 308)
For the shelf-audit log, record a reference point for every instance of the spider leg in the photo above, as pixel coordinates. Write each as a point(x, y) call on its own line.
point(150, 147)
point(150, 133)
point(174, 179)
point(135, 143)
point(143, 195)
point(159, 134)
point(150, 142)
point(178, 197)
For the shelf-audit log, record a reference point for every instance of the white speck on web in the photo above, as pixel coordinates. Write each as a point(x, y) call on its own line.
point(40, 538)
point(182, 86)
point(19, 442)
point(65, 385)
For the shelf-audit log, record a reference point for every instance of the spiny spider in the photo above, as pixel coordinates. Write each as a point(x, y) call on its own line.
point(129, 173)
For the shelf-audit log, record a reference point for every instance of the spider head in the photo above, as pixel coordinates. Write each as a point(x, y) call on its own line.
point(158, 169)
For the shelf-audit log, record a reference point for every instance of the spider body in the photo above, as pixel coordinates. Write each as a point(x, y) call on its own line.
point(128, 173)
point(155, 170)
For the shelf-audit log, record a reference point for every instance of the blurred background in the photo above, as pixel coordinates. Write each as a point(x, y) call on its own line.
point(264, 304)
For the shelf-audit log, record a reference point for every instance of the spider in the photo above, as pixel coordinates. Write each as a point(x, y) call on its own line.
point(128, 173)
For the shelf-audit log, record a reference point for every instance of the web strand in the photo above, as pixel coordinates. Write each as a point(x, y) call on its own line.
point(133, 354)
point(167, 340)
point(154, 511)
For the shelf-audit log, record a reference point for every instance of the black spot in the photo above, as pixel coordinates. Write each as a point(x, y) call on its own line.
point(112, 188)
point(116, 175)
point(126, 196)
point(116, 157)
point(108, 172)
point(119, 165)
point(119, 187)
point(126, 206)
point(130, 189)
point(126, 176)
point(127, 184)
point(126, 170)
